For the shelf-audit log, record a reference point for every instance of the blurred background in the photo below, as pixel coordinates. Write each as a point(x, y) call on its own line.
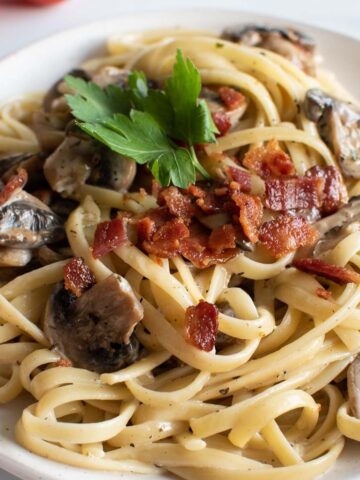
point(23, 21)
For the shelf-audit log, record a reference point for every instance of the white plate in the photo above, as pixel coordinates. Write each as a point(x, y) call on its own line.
point(40, 64)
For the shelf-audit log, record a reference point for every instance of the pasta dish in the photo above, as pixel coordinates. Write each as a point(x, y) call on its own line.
point(180, 255)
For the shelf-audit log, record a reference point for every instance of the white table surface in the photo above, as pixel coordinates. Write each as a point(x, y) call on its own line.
point(20, 25)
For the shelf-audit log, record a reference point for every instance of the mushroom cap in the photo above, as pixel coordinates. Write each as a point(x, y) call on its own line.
point(339, 126)
point(95, 331)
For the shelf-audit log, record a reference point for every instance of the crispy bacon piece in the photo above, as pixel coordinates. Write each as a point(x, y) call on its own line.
point(108, 236)
point(334, 193)
point(292, 193)
point(165, 242)
point(241, 177)
point(15, 183)
point(269, 161)
point(78, 276)
point(201, 325)
point(251, 212)
point(231, 98)
point(286, 234)
point(322, 293)
point(332, 272)
point(196, 249)
point(222, 122)
point(196, 191)
point(63, 362)
point(222, 238)
point(210, 203)
point(178, 203)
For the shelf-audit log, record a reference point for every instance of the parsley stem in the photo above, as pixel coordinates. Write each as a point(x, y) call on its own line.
point(197, 164)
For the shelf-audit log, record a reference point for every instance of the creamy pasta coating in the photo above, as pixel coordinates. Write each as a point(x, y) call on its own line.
point(206, 331)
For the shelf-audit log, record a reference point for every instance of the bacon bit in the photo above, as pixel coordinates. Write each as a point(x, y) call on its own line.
point(108, 236)
point(15, 183)
point(63, 362)
point(222, 122)
point(201, 325)
point(145, 228)
point(222, 238)
point(268, 161)
point(231, 98)
point(334, 193)
point(165, 242)
point(196, 191)
point(286, 234)
point(178, 204)
point(196, 249)
point(292, 193)
point(241, 177)
point(332, 272)
point(251, 212)
point(78, 276)
point(322, 293)
point(211, 203)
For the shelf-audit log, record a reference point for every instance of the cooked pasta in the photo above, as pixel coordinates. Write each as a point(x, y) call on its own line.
point(268, 398)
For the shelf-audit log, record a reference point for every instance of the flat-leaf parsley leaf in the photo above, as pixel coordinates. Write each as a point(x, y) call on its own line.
point(147, 124)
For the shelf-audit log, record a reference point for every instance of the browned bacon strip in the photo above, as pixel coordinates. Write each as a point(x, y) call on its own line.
point(332, 272)
point(292, 193)
point(178, 203)
point(334, 194)
point(231, 98)
point(222, 122)
point(222, 238)
point(108, 236)
point(201, 325)
point(17, 182)
point(286, 234)
point(241, 177)
point(268, 161)
point(250, 214)
point(78, 276)
point(165, 242)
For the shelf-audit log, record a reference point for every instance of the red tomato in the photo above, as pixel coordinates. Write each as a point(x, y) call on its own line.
point(43, 2)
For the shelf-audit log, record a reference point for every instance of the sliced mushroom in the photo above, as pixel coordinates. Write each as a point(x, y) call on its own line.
point(25, 222)
point(111, 76)
point(336, 227)
point(353, 386)
point(49, 124)
point(339, 126)
point(216, 105)
point(50, 102)
point(291, 44)
point(14, 257)
point(95, 331)
point(80, 160)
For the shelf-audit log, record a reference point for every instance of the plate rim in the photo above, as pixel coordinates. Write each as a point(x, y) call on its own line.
point(8, 463)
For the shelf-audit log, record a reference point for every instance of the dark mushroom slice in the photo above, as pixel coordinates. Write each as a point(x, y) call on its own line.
point(80, 160)
point(337, 226)
point(216, 105)
point(26, 222)
point(49, 123)
point(353, 387)
point(59, 89)
point(111, 76)
point(291, 44)
point(339, 126)
point(95, 331)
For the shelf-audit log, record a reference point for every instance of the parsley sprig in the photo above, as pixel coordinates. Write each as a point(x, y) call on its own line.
point(146, 124)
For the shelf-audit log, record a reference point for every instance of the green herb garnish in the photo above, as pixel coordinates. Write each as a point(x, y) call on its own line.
point(144, 124)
